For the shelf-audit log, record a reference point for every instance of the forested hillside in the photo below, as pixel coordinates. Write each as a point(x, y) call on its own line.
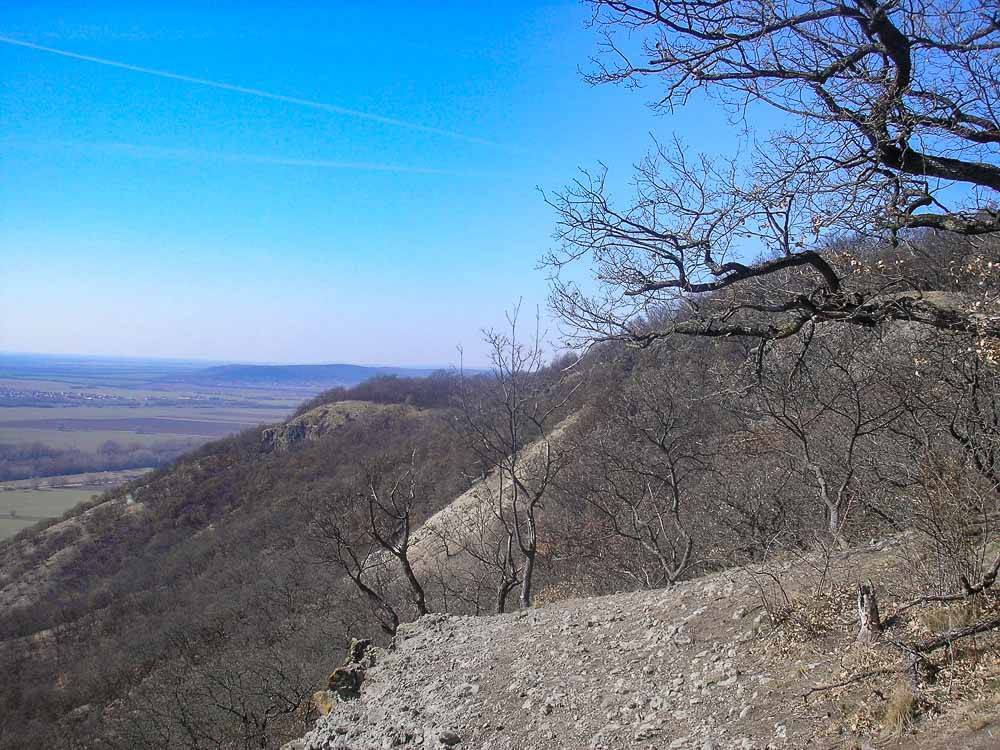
point(192, 580)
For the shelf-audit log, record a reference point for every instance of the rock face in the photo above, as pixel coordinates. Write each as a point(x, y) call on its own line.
point(282, 437)
point(317, 422)
point(345, 681)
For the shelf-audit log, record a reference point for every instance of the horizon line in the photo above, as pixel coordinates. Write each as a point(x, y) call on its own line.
point(198, 360)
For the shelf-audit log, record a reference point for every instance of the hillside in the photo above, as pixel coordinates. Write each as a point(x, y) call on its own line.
point(730, 482)
point(196, 573)
point(700, 666)
point(35, 563)
point(205, 604)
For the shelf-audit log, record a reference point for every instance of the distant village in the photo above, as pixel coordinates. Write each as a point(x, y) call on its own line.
point(11, 397)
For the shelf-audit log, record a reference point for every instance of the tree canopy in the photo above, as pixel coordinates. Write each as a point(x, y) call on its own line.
point(890, 134)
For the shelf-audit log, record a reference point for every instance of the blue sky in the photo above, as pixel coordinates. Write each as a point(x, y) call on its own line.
point(145, 215)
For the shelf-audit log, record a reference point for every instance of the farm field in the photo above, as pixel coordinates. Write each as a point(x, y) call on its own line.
point(73, 426)
point(88, 440)
point(88, 427)
point(21, 508)
point(46, 502)
point(25, 502)
point(66, 415)
point(98, 480)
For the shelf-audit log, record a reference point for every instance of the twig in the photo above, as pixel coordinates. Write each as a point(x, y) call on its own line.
point(946, 639)
point(849, 681)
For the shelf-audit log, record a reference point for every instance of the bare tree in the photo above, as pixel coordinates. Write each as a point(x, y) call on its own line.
point(481, 566)
point(638, 470)
point(364, 529)
point(509, 419)
point(834, 410)
point(975, 414)
point(890, 126)
point(206, 702)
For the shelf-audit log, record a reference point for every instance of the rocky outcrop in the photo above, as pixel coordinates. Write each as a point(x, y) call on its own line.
point(317, 422)
point(345, 681)
point(611, 672)
point(282, 437)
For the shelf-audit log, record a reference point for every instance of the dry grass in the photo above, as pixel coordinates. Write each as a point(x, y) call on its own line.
point(964, 698)
point(900, 709)
point(323, 701)
point(942, 619)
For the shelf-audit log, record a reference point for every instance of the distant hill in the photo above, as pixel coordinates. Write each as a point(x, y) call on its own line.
point(312, 376)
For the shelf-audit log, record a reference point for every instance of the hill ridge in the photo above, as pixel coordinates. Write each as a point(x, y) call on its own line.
point(327, 375)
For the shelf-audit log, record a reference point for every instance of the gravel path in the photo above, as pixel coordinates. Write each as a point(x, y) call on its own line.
point(693, 667)
point(664, 669)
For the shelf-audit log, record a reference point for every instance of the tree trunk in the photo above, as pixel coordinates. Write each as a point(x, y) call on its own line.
point(508, 576)
point(419, 598)
point(868, 617)
point(529, 570)
point(503, 591)
point(919, 671)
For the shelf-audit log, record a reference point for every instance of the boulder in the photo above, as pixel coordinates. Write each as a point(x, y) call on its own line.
point(345, 681)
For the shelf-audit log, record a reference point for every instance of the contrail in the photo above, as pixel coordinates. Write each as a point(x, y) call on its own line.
point(258, 93)
point(191, 154)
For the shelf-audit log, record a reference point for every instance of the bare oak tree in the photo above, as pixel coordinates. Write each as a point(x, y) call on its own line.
point(509, 420)
point(638, 471)
point(481, 566)
point(366, 532)
point(835, 413)
point(889, 126)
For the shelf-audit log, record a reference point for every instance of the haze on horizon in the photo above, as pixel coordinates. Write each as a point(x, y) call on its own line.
point(304, 185)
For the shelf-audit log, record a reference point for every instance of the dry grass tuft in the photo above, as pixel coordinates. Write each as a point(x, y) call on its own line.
point(323, 701)
point(900, 710)
point(942, 619)
point(978, 722)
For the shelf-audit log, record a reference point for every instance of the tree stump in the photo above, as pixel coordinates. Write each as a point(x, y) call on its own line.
point(868, 617)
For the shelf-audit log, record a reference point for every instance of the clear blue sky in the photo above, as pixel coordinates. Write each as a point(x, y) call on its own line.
point(147, 215)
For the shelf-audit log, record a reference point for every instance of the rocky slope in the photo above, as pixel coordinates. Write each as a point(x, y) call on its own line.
point(697, 666)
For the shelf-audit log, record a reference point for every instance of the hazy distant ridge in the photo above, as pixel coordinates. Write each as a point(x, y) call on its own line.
point(293, 375)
